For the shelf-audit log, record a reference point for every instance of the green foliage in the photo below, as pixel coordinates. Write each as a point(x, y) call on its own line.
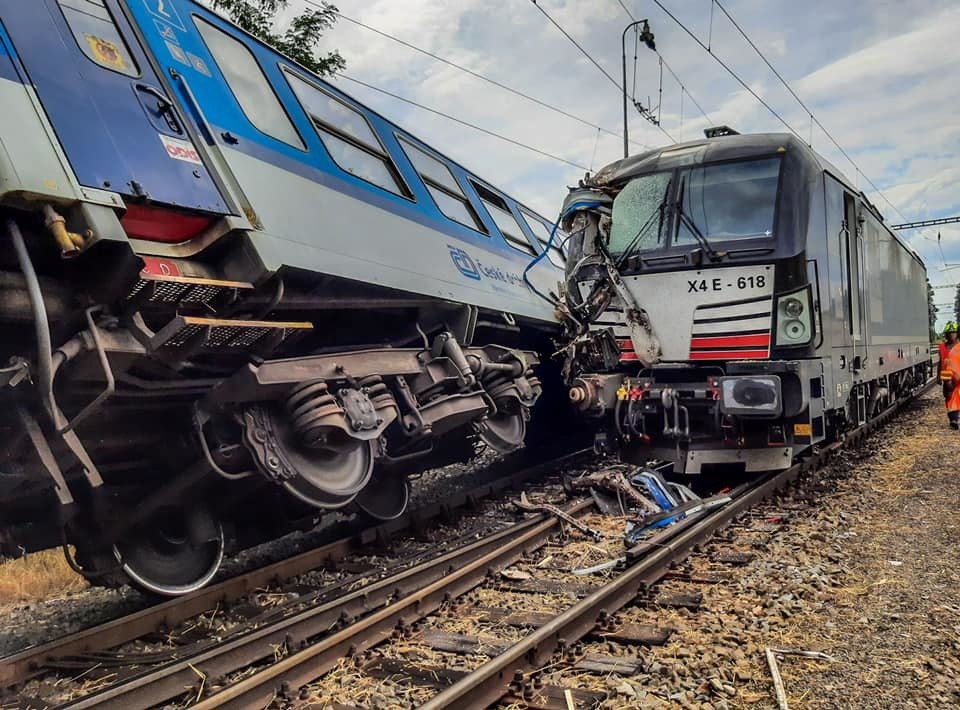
point(298, 40)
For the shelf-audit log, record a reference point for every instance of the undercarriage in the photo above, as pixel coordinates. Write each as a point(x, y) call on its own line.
point(162, 415)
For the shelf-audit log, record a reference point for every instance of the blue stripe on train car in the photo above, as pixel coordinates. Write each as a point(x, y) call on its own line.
point(7, 69)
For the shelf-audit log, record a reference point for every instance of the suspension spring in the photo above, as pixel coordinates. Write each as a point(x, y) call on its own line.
point(310, 406)
point(378, 392)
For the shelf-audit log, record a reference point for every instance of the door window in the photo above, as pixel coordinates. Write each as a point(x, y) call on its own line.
point(97, 35)
point(851, 231)
point(348, 137)
point(249, 84)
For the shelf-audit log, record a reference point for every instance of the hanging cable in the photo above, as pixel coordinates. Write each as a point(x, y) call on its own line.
point(660, 90)
point(463, 122)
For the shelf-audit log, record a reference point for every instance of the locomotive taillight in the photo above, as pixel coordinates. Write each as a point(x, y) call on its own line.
point(163, 225)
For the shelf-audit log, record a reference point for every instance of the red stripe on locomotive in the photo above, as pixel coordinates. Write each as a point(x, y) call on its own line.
point(731, 341)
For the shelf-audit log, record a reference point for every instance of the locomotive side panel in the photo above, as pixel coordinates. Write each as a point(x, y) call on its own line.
point(895, 300)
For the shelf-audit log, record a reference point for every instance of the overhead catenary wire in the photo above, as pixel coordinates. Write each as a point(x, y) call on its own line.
point(729, 70)
point(809, 111)
point(463, 122)
point(484, 78)
point(576, 44)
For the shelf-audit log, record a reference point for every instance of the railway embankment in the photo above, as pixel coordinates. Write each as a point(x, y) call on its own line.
point(872, 577)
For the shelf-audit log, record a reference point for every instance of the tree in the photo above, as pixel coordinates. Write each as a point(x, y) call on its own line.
point(298, 40)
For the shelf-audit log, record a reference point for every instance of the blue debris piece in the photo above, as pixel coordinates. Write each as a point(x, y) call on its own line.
point(667, 495)
point(658, 488)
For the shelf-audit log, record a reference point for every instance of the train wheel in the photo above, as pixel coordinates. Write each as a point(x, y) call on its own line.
point(385, 497)
point(177, 552)
point(503, 432)
point(327, 476)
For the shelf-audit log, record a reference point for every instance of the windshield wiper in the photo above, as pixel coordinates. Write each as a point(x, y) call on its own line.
point(685, 220)
point(634, 246)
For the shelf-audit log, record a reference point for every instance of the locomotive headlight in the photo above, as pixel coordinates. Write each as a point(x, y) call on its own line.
point(758, 396)
point(793, 307)
point(794, 326)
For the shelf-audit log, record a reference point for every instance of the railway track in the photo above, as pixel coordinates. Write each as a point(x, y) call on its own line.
point(279, 662)
point(351, 539)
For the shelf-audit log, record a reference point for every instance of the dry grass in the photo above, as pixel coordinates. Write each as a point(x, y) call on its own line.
point(37, 576)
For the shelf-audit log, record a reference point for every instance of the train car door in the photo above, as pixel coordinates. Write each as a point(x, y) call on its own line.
point(116, 124)
point(852, 231)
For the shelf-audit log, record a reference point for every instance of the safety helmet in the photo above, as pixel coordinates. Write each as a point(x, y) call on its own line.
point(950, 327)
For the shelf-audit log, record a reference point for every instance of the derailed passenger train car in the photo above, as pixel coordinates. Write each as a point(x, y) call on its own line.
point(735, 300)
point(233, 298)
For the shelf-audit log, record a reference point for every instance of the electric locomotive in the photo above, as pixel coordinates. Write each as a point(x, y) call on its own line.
point(234, 298)
point(734, 300)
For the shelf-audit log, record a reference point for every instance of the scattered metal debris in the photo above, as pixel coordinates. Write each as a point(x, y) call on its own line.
point(525, 504)
point(602, 567)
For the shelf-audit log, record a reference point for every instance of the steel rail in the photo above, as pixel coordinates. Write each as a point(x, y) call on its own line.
point(20, 666)
point(384, 606)
point(488, 683)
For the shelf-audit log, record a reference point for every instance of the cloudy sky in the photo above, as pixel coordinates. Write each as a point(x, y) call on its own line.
point(880, 76)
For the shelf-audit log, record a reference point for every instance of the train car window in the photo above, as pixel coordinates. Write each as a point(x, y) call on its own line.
point(97, 35)
point(443, 186)
point(348, 137)
point(506, 222)
point(640, 215)
point(729, 201)
point(249, 84)
point(542, 233)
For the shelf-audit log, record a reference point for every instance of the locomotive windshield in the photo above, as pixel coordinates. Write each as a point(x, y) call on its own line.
point(710, 203)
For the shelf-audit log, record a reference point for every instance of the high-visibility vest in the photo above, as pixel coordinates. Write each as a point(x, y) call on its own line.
point(953, 367)
point(945, 375)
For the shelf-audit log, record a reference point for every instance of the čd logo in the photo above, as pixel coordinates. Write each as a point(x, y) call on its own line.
point(465, 265)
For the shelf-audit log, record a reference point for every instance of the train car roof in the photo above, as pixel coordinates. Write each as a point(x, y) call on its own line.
point(730, 147)
point(393, 123)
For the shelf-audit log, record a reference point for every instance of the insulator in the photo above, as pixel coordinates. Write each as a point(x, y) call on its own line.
point(309, 406)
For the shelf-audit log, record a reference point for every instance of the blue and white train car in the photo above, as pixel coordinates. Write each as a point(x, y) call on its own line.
point(233, 296)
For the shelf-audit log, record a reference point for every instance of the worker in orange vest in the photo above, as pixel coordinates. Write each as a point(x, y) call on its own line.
point(950, 372)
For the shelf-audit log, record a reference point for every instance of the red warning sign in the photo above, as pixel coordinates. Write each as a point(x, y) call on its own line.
point(181, 150)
